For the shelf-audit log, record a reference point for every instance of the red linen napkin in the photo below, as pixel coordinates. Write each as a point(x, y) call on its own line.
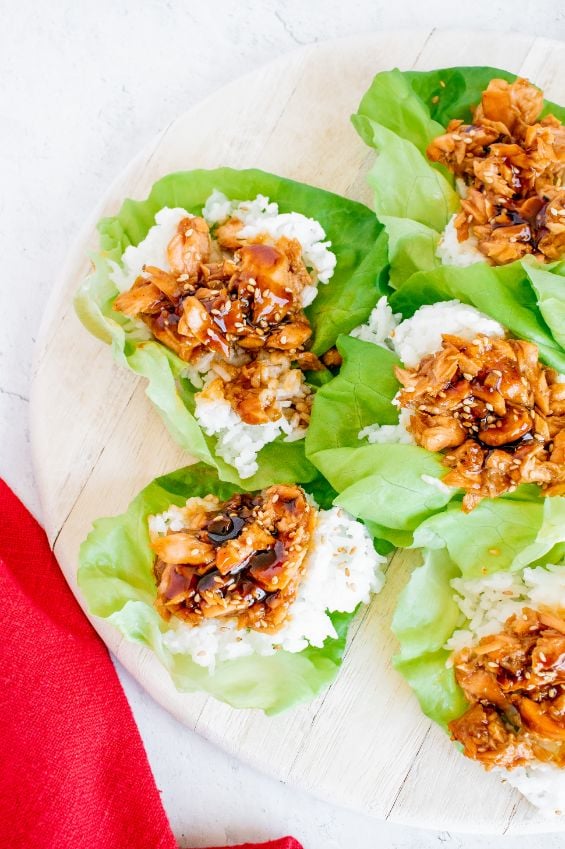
point(74, 771)
point(283, 843)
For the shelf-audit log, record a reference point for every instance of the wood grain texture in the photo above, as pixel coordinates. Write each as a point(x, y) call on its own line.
point(97, 440)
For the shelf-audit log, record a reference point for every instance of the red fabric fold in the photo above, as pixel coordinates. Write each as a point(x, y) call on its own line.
point(282, 843)
point(74, 771)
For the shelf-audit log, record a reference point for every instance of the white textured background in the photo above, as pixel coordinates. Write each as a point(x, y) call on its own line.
point(83, 86)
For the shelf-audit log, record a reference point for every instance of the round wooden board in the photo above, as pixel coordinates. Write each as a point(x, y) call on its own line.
point(97, 440)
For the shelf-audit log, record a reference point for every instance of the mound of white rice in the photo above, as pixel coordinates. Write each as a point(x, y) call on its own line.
point(150, 251)
point(381, 434)
point(421, 334)
point(485, 604)
point(238, 442)
point(261, 216)
point(453, 252)
point(413, 339)
point(258, 215)
point(342, 570)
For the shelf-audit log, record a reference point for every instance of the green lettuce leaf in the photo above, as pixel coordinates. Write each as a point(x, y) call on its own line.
point(507, 534)
point(392, 102)
point(547, 283)
point(400, 114)
point(424, 619)
point(505, 293)
point(423, 194)
point(380, 484)
point(359, 395)
point(115, 576)
point(359, 243)
point(396, 488)
point(411, 248)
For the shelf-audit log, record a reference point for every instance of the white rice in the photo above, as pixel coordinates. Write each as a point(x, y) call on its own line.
point(174, 518)
point(150, 251)
point(450, 251)
point(543, 785)
point(421, 334)
point(238, 443)
point(342, 570)
point(196, 371)
point(413, 339)
point(261, 216)
point(486, 604)
point(380, 326)
point(397, 433)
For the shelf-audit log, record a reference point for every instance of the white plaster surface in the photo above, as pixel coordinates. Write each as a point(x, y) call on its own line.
point(83, 86)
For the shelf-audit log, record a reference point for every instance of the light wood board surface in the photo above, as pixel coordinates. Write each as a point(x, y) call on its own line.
point(97, 440)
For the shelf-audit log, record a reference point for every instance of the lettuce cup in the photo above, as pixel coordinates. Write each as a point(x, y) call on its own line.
point(244, 595)
point(454, 420)
point(483, 650)
point(468, 179)
point(508, 166)
point(225, 289)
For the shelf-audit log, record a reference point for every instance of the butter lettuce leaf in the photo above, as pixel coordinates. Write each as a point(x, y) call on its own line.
point(397, 487)
point(548, 284)
point(399, 115)
point(115, 576)
point(506, 534)
point(358, 241)
point(424, 194)
point(392, 486)
point(424, 619)
point(505, 293)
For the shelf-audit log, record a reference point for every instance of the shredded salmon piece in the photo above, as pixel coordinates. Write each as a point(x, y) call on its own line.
point(494, 410)
point(260, 391)
point(513, 165)
point(242, 559)
point(515, 684)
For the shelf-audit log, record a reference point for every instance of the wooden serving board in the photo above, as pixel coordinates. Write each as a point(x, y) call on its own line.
point(97, 439)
